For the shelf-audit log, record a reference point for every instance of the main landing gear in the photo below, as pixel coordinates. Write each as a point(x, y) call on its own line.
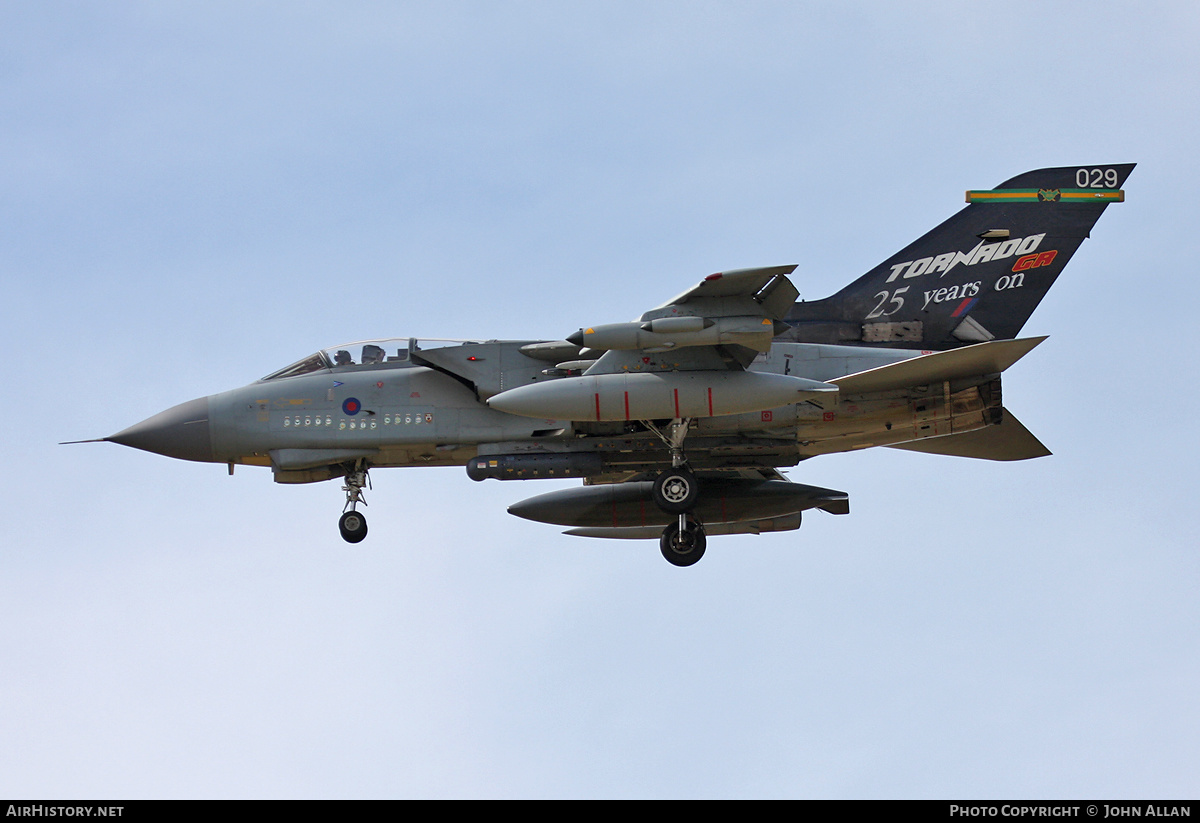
point(353, 524)
point(676, 491)
point(683, 542)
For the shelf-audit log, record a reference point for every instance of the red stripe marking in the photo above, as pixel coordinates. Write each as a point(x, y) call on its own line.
point(626, 405)
point(676, 402)
point(962, 306)
point(597, 405)
point(710, 414)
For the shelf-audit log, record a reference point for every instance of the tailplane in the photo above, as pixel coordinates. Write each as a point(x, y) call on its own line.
point(976, 277)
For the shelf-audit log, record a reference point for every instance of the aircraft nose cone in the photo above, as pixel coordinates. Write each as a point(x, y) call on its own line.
point(181, 431)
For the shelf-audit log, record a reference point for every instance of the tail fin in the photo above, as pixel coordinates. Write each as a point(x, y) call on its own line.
point(978, 276)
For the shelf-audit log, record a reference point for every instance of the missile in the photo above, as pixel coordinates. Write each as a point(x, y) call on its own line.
point(628, 505)
point(657, 395)
point(665, 333)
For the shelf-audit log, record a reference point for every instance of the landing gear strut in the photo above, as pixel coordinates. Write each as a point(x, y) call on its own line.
point(683, 542)
point(676, 492)
point(353, 525)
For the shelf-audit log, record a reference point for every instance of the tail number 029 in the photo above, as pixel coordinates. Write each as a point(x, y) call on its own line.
point(1096, 178)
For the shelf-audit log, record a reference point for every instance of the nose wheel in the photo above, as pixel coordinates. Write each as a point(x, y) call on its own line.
point(353, 524)
point(683, 542)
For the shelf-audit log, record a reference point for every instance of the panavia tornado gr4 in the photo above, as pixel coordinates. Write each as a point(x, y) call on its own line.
point(679, 422)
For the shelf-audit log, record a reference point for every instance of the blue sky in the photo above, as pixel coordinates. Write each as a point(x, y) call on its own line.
point(198, 194)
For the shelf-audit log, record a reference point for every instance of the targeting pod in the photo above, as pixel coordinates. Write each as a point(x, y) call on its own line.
point(534, 466)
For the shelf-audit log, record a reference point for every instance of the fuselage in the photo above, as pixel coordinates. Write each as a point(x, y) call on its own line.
point(427, 407)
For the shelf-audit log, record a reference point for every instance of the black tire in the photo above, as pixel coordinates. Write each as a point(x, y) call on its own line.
point(353, 527)
point(676, 491)
point(683, 549)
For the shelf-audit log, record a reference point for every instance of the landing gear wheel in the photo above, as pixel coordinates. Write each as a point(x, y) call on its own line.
point(353, 527)
point(675, 491)
point(683, 548)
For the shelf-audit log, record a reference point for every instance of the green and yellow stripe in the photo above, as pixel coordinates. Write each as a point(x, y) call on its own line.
point(1047, 196)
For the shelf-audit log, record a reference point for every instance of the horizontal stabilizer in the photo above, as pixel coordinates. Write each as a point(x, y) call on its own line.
point(991, 357)
point(1007, 441)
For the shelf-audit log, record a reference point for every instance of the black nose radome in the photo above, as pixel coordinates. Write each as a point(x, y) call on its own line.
point(181, 431)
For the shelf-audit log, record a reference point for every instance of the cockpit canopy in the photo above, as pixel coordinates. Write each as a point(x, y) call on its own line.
point(349, 355)
point(386, 353)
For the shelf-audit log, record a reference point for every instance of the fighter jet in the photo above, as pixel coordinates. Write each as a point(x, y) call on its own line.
point(678, 423)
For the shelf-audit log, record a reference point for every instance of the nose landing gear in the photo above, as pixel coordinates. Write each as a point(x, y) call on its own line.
point(353, 524)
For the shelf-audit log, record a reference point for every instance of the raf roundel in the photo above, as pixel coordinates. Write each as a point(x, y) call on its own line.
point(351, 405)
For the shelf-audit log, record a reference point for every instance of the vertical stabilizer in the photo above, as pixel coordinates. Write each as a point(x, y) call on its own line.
point(976, 277)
